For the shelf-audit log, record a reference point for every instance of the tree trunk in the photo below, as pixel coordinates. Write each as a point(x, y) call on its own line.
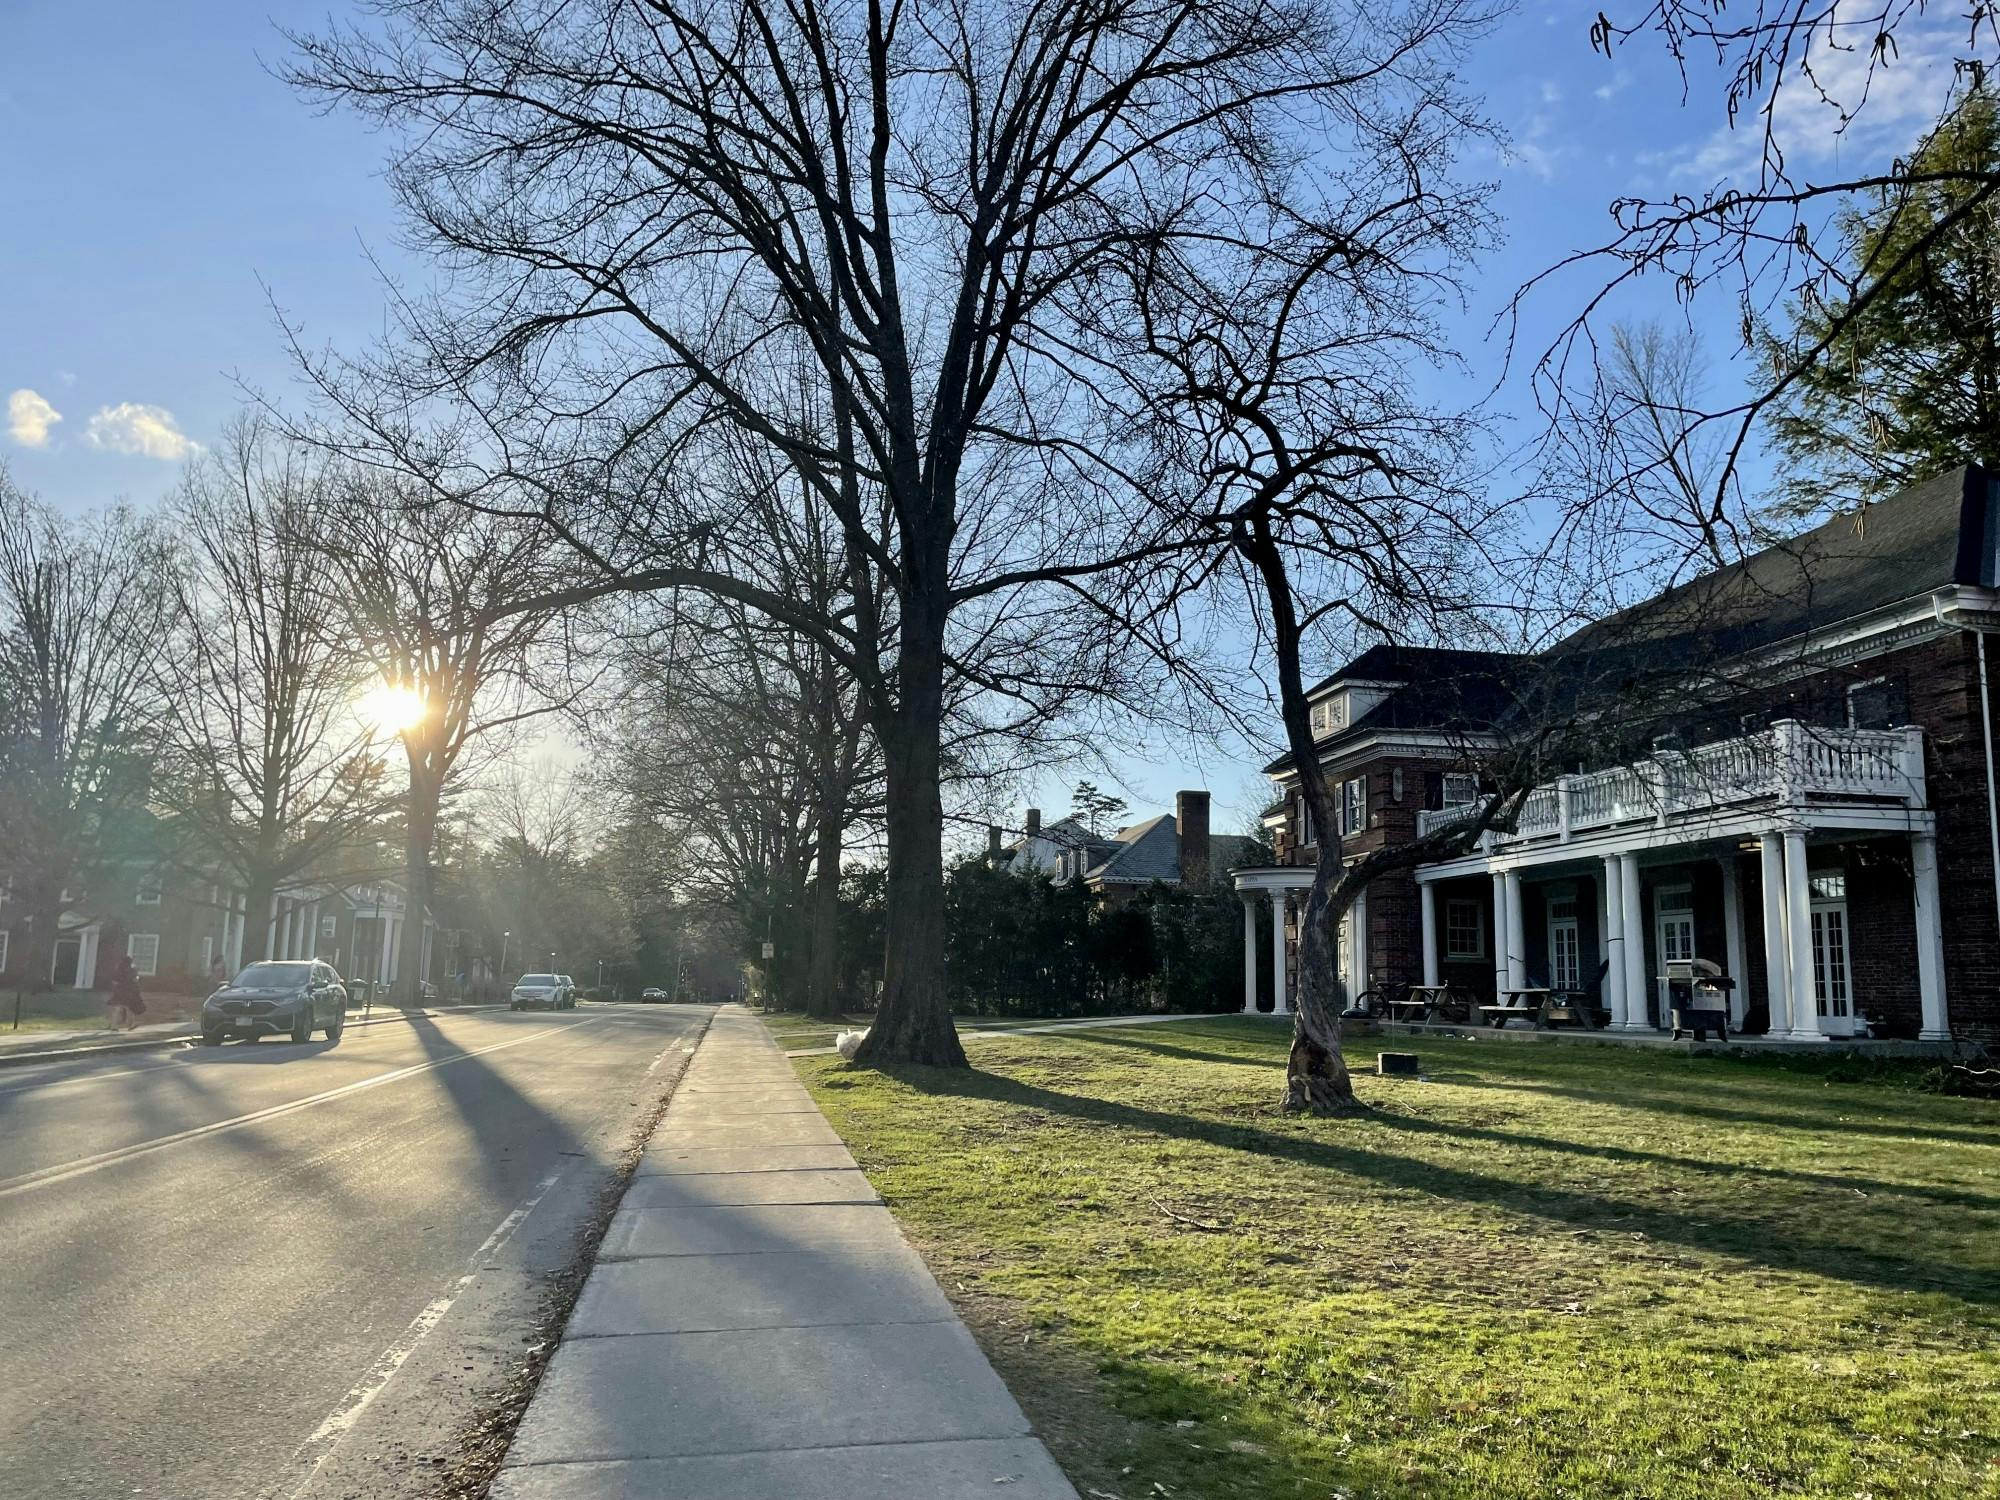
point(913, 1024)
point(1316, 1080)
point(420, 832)
point(260, 889)
point(822, 992)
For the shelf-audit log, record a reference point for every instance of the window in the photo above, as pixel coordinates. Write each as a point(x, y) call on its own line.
point(1353, 805)
point(1328, 715)
point(149, 892)
point(1674, 907)
point(1876, 704)
point(1461, 789)
point(1827, 885)
point(1464, 930)
point(1308, 835)
point(1831, 985)
point(328, 927)
point(1396, 784)
point(143, 948)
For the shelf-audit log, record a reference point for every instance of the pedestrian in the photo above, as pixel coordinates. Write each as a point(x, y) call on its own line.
point(127, 1004)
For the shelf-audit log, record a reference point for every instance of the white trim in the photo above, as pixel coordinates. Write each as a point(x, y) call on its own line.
point(1452, 904)
point(152, 964)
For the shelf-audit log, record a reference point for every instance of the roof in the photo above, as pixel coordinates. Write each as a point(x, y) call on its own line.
point(1144, 852)
point(1438, 689)
point(1934, 534)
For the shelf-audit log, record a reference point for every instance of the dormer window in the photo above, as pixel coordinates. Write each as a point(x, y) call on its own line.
point(1329, 715)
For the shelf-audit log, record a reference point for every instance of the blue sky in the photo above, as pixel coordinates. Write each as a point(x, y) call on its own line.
point(156, 180)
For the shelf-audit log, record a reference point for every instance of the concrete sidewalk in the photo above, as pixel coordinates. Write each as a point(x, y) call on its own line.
point(757, 1327)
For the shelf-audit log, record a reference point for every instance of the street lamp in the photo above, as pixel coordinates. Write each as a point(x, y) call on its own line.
point(600, 979)
point(504, 937)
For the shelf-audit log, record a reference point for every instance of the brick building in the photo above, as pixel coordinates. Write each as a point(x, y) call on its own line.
point(1784, 767)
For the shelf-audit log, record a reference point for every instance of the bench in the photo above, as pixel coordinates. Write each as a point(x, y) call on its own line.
point(1526, 1004)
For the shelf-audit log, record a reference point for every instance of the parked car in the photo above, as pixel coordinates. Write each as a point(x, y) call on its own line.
point(652, 997)
point(295, 996)
point(539, 992)
point(569, 991)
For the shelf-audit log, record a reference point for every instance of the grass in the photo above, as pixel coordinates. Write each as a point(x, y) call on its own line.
point(795, 1031)
point(70, 1018)
point(1544, 1271)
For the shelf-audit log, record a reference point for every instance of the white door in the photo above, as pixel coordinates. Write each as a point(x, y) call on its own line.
point(1833, 984)
point(1565, 950)
point(1673, 935)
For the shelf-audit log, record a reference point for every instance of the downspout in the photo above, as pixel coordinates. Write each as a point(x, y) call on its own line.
point(1986, 732)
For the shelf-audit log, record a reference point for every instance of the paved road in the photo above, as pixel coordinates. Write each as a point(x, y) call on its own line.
point(277, 1270)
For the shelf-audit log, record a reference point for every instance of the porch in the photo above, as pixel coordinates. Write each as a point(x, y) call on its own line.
point(1799, 862)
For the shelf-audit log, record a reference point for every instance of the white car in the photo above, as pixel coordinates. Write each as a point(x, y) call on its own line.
point(540, 992)
point(569, 991)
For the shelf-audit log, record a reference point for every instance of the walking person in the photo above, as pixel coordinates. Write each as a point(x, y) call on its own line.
point(127, 1004)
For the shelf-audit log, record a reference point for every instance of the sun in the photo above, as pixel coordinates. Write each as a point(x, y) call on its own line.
point(393, 707)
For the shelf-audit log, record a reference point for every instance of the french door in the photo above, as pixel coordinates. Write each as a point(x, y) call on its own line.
point(1833, 982)
point(1673, 937)
point(1565, 949)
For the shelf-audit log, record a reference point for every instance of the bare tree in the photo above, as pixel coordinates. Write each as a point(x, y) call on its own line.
point(1881, 80)
point(267, 763)
point(662, 212)
point(432, 597)
point(84, 617)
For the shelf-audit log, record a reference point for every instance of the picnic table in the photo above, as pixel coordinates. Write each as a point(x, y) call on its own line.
point(1526, 1003)
point(1423, 1002)
point(1574, 1006)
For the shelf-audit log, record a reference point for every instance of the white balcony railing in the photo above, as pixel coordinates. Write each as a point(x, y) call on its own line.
point(1790, 763)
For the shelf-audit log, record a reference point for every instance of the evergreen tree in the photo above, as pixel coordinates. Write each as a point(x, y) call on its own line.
point(1909, 386)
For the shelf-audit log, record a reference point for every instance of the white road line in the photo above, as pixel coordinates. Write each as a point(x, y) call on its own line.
point(318, 1448)
point(48, 1176)
point(45, 1084)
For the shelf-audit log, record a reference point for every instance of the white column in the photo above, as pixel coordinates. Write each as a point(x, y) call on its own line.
point(1798, 936)
point(1930, 938)
point(395, 948)
point(312, 921)
point(1499, 936)
point(1777, 939)
point(1614, 942)
point(271, 930)
point(381, 946)
point(1732, 939)
point(1357, 964)
point(1249, 957)
point(1427, 893)
point(1632, 921)
point(1517, 942)
point(1278, 1006)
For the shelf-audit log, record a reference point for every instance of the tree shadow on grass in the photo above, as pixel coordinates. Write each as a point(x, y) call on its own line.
point(1751, 1240)
point(1834, 1117)
point(1261, 1058)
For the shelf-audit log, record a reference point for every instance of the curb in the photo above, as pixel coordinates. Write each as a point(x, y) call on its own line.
point(155, 1043)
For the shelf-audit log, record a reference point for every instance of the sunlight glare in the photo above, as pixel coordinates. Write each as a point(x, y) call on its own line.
point(393, 707)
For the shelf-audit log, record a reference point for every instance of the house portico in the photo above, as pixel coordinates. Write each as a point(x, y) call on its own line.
point(1608, 878)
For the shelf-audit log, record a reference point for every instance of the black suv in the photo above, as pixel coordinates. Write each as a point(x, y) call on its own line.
point(295, 996)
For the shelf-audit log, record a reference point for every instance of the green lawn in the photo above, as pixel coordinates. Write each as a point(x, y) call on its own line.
point(1544, 1271)
point(795, 1031)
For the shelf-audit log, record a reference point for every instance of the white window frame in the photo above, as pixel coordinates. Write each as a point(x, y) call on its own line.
point(1459, 789)
point(1862, 687)
point(1308, 835)
point(1832, 929)
point(329, 927)
point(152, 964)
point(1454, 907)
point(1353, 805)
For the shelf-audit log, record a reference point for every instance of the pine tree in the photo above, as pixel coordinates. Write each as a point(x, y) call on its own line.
point(1908, 385)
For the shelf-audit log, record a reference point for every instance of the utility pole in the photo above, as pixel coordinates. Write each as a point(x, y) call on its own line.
point(504, 939)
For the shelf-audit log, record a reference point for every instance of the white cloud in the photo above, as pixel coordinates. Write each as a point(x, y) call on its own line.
point(1613, 89)
point(1886, 107)
point(146, 431)
point(29, 418)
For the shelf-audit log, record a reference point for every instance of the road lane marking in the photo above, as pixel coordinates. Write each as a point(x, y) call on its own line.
point(48, 1176)
point(318, 1448)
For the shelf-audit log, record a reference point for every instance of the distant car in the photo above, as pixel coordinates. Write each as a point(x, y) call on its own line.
point(569, 991)
point(295, 996)
point(653, 997)
point(539, 992)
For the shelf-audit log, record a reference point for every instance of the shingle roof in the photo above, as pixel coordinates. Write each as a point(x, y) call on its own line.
point(1930, 536)
point(1144, 852)
point(1441, 689)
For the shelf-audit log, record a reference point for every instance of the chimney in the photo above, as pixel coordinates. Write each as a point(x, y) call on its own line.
point(1034, 821)
point(993, 843)
point(1191, 823)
